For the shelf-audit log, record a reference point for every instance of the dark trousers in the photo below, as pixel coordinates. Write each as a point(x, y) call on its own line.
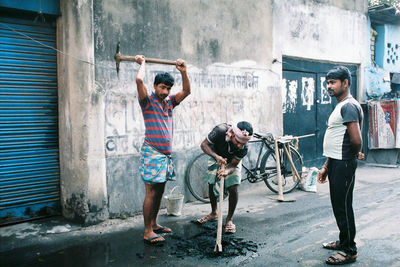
point(341, 175)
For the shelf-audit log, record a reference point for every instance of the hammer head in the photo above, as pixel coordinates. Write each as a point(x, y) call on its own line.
point(117, 57)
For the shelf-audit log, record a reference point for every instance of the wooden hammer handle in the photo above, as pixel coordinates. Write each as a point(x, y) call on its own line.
point(160, 61)
point(121, 57)
point(221, 200)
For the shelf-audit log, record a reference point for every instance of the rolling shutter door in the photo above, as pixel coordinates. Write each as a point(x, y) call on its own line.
point(29, 158)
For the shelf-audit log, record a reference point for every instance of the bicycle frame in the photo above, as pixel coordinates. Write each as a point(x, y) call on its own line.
point(253, 172)
point(266, 163)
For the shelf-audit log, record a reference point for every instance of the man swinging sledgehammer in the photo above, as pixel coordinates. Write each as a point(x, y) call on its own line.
point(156, 163)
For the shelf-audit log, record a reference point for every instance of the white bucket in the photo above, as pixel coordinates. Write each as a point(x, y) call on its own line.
point(174, 202)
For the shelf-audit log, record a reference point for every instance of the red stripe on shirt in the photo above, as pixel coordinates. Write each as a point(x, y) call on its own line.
point(157, 106)
point(156, 120)
point(159, 128)
point(160, 108)
point(165, 151)
point(158, 144)
point(159, 150)
point(158, 136)
point(155, 112)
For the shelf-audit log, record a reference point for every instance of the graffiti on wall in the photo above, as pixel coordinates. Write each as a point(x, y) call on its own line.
point(122, 115)
point(246, 80)
point(217, 96)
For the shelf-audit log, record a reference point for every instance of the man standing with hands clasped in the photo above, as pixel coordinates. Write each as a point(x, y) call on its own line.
point(342, 146)
point(156, 163)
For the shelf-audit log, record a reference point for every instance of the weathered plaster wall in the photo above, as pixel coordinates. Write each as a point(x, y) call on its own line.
point(354, 5)
point(386, 60)
point(331, 31)
point(81, 118)
point(228, 47)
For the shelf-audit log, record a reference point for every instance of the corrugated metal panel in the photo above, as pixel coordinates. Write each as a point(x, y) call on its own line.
point(29, 163)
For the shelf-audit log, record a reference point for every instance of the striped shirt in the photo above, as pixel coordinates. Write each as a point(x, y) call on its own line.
point(158, 122)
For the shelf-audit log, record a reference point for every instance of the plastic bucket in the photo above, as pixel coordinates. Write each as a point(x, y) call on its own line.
point(174, 202)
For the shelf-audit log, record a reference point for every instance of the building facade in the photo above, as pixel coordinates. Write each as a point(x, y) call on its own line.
point(382, 88)
point(261, 61)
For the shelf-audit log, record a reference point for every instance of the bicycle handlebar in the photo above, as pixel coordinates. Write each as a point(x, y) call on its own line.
point(263, 136)
point(269, 137)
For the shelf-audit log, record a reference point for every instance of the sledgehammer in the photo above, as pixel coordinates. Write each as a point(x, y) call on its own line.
point(119, 57)
point(218, 245)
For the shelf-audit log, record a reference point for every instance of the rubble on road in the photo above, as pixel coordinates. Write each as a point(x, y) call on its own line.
point(202, 244)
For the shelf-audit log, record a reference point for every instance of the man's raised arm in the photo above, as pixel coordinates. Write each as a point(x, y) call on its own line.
point(181, 66)
point(141, 87)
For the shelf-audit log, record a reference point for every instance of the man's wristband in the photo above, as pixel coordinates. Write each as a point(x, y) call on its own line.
point(324, 167)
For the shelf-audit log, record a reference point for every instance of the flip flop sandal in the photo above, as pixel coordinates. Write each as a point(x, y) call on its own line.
point(338, 261)
point(150, 241)
point(162, 230)
point(230, 228)
point(334, 245)
point(207, 218)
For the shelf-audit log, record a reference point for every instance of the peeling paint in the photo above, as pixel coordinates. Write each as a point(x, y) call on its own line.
point(307, 92)
point(325, 97)
point(289, 95)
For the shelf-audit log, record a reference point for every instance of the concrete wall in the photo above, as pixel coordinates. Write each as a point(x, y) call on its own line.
point(228, 47)
point(353, 5)
point(331, 31)
point(81, 118)
point(387, 53)
point(374, 84)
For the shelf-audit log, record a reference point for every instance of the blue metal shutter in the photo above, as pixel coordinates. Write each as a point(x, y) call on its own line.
point(29, 160)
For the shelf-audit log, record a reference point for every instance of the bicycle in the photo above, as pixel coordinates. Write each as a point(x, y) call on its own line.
point(265, 168)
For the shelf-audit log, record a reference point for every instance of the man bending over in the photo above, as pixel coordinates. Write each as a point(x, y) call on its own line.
point(226, 144)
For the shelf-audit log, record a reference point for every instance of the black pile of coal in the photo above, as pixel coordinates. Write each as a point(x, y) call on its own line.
point(203, 243)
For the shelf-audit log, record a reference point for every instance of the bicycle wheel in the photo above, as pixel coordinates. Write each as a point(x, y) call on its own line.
point(196, 179)
point(268, 170)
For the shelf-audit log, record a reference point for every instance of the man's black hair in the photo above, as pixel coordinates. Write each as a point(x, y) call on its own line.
point(165, 78)
point(339, 73)
point(244, 125)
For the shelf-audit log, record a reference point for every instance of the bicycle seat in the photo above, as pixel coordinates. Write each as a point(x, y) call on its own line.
point(263, 136)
